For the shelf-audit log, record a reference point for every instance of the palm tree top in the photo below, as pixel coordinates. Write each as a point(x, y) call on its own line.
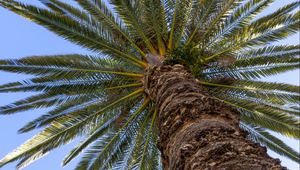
point(101, 97)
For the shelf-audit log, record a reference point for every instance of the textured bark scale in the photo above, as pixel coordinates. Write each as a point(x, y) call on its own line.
point(198, 132)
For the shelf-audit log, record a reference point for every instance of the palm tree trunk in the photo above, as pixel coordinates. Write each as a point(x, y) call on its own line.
point(197, 131)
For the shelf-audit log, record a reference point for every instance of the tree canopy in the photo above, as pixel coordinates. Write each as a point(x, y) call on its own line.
point(101, 97)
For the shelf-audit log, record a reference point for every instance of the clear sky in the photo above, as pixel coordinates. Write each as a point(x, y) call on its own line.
point(20, 37)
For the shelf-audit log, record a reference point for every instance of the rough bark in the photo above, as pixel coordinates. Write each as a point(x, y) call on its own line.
point(196, 131)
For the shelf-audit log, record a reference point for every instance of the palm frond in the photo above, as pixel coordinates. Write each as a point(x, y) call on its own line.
point(101, 13)
point(258, 35)
point(146, 151)
point(278, 13)
point(181, 12)
point(264, 137)
point(268, 54)
point(71, 106)
point(132, 152)
point(277, 100)
point(251, 72)
point(216, 19)
point(202, 11)
point(128, 12)
point(101, 129)
point(273, 101)
point(136, 124)
point(108, 146)
point(258, 86)
point(241, 18)
point(63, 65)
point(76, 103)
point(157, 22)
point(90, 84)
point(71, 30)
point(72, 12)
point(35, 102)
point(263, 116)
point(61, 131)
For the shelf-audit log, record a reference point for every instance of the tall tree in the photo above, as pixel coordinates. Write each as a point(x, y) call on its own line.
point(172, 84)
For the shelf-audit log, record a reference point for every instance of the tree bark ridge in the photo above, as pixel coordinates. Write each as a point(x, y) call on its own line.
point(198, 132)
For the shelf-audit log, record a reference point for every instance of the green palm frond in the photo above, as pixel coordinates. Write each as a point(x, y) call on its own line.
point(258, 34)
point(280, 51)
point(61, 110)
point(131, 154)
point(241, 18)
point(72, 86)
point(129, 11)
point(34, 102)
point(264, 116)
point(72, 12)
point(258, 86)
point(182, 10)
point(271, 96)
point(62, 65)
point(262, 136)
point(71, 29)
point(269, 54)
point(54, 96)
point(275, 98)
point(100, 97)
point(61, 131)
point(201, 13)
point(146, 154)
point(102, 14)
point(279, 12)
point(156, 21)
point(101, 128)
point(98, 160)
point(216, 18)
point(251, 72)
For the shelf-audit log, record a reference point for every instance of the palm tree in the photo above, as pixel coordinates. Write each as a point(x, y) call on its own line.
point(171, 84)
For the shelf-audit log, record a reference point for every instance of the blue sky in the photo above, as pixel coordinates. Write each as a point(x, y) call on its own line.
point(20, 37)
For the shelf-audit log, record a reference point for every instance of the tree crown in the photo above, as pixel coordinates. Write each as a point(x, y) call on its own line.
point(101, 98)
